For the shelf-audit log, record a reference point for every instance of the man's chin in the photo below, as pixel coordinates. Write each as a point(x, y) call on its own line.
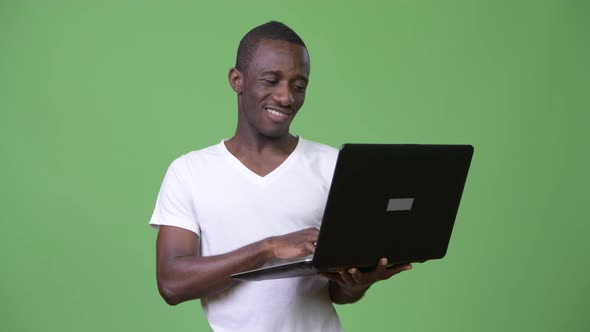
point(276, 133)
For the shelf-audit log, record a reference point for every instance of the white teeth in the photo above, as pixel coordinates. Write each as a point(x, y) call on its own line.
point(273, 112)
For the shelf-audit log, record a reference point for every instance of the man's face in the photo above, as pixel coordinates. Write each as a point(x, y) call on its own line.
point(273, 87)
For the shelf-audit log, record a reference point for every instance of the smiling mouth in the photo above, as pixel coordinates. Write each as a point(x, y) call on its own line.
point(279, 114)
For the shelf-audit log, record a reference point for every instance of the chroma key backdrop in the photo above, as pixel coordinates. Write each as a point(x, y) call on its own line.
point(98, 97)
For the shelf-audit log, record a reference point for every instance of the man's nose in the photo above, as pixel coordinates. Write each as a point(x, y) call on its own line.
point(283, 95)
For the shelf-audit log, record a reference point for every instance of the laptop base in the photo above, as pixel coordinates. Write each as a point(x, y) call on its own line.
point(289, 270)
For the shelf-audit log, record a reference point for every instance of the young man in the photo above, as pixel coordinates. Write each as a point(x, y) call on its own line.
point(254, 198)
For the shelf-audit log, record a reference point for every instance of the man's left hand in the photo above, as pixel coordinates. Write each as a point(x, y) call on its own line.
point(353, 283)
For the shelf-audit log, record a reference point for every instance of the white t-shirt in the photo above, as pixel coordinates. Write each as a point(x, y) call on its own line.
point(210, 192)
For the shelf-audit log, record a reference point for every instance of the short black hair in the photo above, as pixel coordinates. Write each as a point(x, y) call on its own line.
point(272, 30)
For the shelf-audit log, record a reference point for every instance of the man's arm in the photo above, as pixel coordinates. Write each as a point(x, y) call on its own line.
point(349, 286)
point(183, 274)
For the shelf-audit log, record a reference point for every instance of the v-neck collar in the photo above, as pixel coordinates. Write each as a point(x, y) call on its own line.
point(274, 174)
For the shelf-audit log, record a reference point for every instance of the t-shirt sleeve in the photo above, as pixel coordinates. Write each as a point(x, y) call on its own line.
point(174, 205)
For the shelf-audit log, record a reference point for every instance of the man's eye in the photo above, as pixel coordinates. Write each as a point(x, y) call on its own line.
point(300, 87)
point(271, 82)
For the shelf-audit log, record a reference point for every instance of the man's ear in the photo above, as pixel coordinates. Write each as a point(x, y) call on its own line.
point(235, 78)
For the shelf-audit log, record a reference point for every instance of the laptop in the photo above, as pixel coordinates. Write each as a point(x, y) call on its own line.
point(397, 201)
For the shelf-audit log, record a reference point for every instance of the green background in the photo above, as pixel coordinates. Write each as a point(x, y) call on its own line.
point(97, 98)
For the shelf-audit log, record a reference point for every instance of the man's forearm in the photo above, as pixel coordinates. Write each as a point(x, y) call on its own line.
point(183, 274)
point(186, 278)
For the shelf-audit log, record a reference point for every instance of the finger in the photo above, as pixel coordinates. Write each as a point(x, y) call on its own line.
point(356, 275)
point(313, 230)
point(382, 265)
point(332, 276)
point(406, 267)
point(395, 270)
point(381, 270)
point(346, 277)
point(309, 246)
point(310, 236)
point(314, 233)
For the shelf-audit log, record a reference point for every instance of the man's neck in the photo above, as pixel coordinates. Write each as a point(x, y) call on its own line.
point(260, 145)
point(262, 156)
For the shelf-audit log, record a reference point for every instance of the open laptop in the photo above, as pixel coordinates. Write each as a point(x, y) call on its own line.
point(386, 200)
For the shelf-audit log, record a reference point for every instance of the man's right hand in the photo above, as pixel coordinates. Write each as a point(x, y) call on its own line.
point(296, 244)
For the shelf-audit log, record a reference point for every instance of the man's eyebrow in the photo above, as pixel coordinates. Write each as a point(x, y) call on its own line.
point(271, 72)
point(302, 78)
point(278, 73)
